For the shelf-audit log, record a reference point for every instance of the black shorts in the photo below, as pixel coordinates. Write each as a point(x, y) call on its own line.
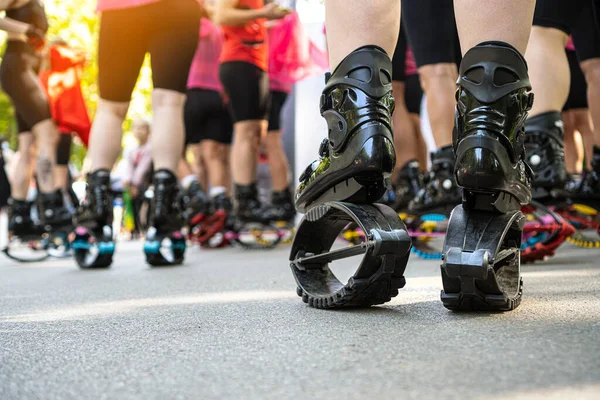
point(277, 101)
point(413, 94)
point(431, 31)
point(247, 88)
point(168, 30)
point(399, 57)
point(63, 148)
point(578, 91)
point(206, 117)
point(576, 17)
point(19, 79)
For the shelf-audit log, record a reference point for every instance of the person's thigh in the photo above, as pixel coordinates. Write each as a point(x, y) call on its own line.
point(122, 47)
point(173, 42)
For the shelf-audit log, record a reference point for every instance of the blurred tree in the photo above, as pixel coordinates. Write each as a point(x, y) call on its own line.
point(78, 23)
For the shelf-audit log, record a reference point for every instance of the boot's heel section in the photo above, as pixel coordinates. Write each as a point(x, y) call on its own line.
point(484, 165)
point(479, 170)
point(377, 155)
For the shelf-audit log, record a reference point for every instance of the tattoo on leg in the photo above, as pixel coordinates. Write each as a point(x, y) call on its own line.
point(44, 171)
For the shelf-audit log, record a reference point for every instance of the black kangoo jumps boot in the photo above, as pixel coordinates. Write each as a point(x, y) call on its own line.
point(441, 191)
point(281, 208)
point(248, 207)
point(94, 243)
point(587, 191)
point(97, 208)
point(342, 187)
point(358, 154)
point(408, 183)
point(52, 210)
point(20, 222)
point(165, 243)
point(481, 267)
point(196, 203)
point(545, 149)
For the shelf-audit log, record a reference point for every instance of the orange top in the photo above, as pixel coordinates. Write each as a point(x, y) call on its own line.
point(247, 43)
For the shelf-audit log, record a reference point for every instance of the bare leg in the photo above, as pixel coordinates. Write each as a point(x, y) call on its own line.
point(439, 84)
point(591, 69)
point(215, 157)
point(494, 20)
point(549, 80)
point(355, 23)
point(184, 169)
point(199, 164)
point(61, 176)
point(422, 153)
point(46, 136)
point(278, 162)
point(244, 151)
point(227, 164)
point(571, 156)
point(404, 130)
point(168, 129)
point(106, 134)
point(21, 175)
point(583, 125)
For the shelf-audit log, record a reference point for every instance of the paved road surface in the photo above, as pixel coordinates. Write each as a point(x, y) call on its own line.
point(228, 325)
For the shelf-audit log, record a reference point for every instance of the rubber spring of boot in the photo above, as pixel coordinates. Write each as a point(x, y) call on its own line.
point(425, 251)
point(555, 234)
point(385, 253)
point(481, 265)
point(579, 240)
point(59, 245)
point(175, 249)
point(93, 250)
point(37, 243)
point(264, 236)
point(204, 228)
point(582, 216)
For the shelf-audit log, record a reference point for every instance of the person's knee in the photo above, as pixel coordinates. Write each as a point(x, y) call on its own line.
point(163, 98)
point(546, 36)
point(46, 133)
point(591, 70)
point(212, 151)
point(273, 140)
point(581, 121)
point(114, 108)
point(248, 134)
point(435, 76)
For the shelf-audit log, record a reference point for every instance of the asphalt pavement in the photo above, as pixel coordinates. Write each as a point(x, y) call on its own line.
point(228, 325)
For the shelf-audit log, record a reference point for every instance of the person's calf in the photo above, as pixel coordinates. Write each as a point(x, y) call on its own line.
point(404, 130)
point(46, 136)
point(278, 162)
point(21, 174)
point(591, 70)
point(245, 151)
point(168, 128)
point(439, 85)
point(106, 134)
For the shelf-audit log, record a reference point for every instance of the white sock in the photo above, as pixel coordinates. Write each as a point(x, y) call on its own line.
point(187, 181)
point(217, 190)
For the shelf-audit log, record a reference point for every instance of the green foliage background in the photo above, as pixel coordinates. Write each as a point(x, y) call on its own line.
point(77, 22)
